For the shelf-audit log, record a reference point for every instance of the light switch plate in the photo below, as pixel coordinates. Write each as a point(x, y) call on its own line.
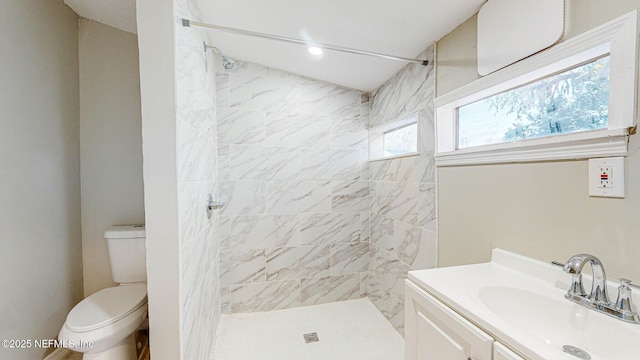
point(606, 177)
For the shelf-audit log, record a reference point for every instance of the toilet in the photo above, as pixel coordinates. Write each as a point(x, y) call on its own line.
point(103, 325)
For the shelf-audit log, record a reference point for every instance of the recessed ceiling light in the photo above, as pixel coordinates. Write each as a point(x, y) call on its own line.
point(315, 50)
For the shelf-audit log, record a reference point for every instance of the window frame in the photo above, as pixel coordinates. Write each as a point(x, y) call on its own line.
point(617, 38)
point(377, 133)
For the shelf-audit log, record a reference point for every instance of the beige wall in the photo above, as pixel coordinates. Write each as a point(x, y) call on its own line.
point(540, 210)
point(40, 244)
point(110, 142)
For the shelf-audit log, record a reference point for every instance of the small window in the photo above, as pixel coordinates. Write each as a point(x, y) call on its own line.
point(572, 101)
point(400, 141)
point(395, 139)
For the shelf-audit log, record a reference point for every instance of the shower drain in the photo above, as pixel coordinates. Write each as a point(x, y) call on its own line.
point(310, 337)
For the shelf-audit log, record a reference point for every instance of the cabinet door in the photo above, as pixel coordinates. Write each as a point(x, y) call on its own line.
point(435, 332)
point(500, 352)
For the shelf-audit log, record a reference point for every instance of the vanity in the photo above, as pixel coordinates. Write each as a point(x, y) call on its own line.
point(515, 308)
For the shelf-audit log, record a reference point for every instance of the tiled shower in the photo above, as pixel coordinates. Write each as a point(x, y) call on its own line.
point(294, 177)
point(308, 219)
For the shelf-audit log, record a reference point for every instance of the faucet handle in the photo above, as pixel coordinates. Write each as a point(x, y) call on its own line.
point(623, 304)
point(576, 289)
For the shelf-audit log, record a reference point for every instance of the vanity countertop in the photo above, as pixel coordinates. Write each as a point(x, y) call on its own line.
point(520, 302)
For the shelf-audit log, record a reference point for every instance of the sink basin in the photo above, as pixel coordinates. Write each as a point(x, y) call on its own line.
point(555, 322)
point(520, 301)
point(516, 305)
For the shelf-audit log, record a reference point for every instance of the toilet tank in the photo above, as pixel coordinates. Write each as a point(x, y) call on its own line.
point(127, 253)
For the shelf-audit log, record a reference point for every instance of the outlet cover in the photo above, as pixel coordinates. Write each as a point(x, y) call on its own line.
point(606, 177)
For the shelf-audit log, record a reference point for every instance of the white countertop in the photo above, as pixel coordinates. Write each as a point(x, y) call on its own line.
point(520, 302)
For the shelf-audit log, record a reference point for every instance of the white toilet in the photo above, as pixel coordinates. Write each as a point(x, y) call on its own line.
point(102, 326)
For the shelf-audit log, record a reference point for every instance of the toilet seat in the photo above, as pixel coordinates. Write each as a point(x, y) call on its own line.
point(106, 307)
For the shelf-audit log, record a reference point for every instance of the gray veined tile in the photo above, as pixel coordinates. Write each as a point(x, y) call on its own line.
point(240, 267)
point(328, 99)
point(327, 228)
point(242, 197)
point(426, 129)
point(294, 129)
point(379, 296)
point(256, 87)
point(222, 90)
point(297, 196)
point(390, 271)
point(396, 312)
point(396, 200)
point(297, 262)
point(427, 168)
point(336, 164)
point(350, 132)
point(382, 232)
point(365, 226)
point(224, 231)
point(408, 241)
point(405, 169)
point(329, 289)
point(364, 283)
point(195, 262)
point(223, 162)
point(197, 160)
point(263, 231)
point(192, 218)
point(424, 255)
point(236, 126)
point(272, 295)
point(349, 258)
point(263, 163)
point(427, 206)
point(225, 299)
point(349, 196)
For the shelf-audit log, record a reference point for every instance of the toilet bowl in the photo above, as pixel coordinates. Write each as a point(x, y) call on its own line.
point(103, 325)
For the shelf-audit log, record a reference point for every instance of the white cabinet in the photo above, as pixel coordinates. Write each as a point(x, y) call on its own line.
point(435, 332)
point(500, 352)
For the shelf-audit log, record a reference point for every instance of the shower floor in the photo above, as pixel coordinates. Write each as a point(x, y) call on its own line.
point(347, 330)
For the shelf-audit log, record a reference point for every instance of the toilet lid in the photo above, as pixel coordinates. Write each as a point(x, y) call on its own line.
point(106, 307)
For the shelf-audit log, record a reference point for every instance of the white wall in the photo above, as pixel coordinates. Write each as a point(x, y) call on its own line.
point(40, 246)
point(110, 142)
point(540, 209)
point(158, 103)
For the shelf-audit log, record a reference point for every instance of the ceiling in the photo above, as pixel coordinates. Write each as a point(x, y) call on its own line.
point(120, 14)
point(395, 27)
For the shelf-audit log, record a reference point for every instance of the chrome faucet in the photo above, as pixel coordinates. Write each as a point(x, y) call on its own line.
point(574, 267)
point(598, 299)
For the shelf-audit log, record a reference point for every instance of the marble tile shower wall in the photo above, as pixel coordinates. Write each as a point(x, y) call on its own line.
point(197, 176)
point(294, 177)
point(403, 209)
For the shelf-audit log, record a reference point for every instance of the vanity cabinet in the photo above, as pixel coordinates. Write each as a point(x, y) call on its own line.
point(500, 352)
point(435, 332)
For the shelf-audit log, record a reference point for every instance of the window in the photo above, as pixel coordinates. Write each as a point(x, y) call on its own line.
point(400, 141)
point(395, 139)
point(574, 100)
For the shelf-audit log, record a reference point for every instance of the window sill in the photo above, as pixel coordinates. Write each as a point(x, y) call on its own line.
point(395, 156)
point(604, 143)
